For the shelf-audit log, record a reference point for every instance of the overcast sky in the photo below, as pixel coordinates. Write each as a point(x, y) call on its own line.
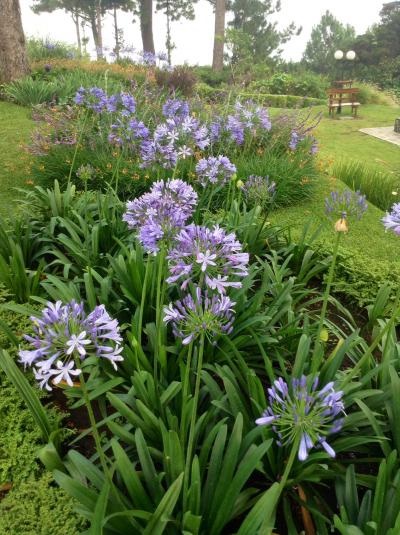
point(194, 39)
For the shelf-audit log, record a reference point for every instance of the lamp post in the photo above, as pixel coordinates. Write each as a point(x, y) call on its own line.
point(349, 56)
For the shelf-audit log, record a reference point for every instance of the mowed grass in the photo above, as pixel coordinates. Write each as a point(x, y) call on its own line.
point(370, 255)
point(370, 250)
point(15, 128)
point(341, 139)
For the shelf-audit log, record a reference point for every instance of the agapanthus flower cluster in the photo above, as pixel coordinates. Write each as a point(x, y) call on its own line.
point(209, 257)
point(96, 99)
point(175, 139)
point(161, 213)
point(247, 119)
point(93, 98)
point(391, 220)
point(128, 131)
point(150, 59)
point(253, 116)
point(259, 191)
point(215, 170)
point(64, 336)
point(299, 411)
point(176, 109)
point(345, 206)
point(202, 313)
point(295, 139)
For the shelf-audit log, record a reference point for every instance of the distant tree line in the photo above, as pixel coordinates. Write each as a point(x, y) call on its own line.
point(250, 35)
point(377, 50)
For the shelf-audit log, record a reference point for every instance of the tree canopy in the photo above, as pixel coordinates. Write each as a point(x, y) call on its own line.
point(328, 36)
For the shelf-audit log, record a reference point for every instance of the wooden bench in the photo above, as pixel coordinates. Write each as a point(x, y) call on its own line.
point(343, 97)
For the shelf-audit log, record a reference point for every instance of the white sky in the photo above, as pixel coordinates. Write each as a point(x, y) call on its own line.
point(194, 39)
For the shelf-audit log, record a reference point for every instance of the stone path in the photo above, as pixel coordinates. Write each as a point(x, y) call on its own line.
point(386, 133)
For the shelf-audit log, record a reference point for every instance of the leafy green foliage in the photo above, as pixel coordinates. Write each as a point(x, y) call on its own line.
point(328, 36)
point(378, 510)
point(305, 84)
point(38, 49)
point(254, 37)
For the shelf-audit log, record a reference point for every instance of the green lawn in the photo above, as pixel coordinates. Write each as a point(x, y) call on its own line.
point(369, 252)
point(340, 138)
point(16, 126)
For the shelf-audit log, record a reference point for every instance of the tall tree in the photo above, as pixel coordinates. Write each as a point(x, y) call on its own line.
point(329, 35)
point(13, 58)
point(251, 22)
point(219, 35)
point(146, 24)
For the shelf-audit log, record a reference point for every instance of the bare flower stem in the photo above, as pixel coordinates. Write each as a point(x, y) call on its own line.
point(317, 353)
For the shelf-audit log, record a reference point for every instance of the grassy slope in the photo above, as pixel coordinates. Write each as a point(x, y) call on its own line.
point(367, 246)
point(34, 506)
point(15, 127)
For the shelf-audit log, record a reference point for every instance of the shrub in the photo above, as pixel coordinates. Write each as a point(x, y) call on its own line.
point(128, 73)
point(274, 101)
point(30, 92)
point(213, 78)
point(181, 79)
point(46, 49)
point(371, 94)
point(304, 84)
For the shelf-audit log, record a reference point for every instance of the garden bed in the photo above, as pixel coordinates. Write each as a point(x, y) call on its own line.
point(161, 289)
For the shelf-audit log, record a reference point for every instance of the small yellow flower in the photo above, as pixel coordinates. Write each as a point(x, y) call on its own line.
point(239, 184)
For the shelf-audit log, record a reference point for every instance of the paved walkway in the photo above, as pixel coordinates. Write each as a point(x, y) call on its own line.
point(386, 133)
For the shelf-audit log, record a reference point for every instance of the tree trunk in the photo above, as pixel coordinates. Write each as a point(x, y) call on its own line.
point(99, 31)
point(219, 33)
point(13, 58)
point(95, 33)
point(168, 42)
point(116, 32)
point(75, 18)
point(146, 25)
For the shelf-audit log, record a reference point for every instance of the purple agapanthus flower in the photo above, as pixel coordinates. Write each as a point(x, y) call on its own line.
point(215, 170)
point(64, 334)
point(295, 139)
point(345, 205)
point(128, 103)
point(391, 220)
point(301, 412)
point(200, 314)
point(176, 109)
point(148, 58)
point(93, 98)
point(207, 256)
point(161, 213)
point(314, 146)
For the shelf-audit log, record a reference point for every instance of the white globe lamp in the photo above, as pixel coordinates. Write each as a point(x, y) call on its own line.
point(338, 54)
point(351, 55)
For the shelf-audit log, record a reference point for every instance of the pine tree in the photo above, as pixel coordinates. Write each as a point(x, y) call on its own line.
point(251, 25)
point(329, 35)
